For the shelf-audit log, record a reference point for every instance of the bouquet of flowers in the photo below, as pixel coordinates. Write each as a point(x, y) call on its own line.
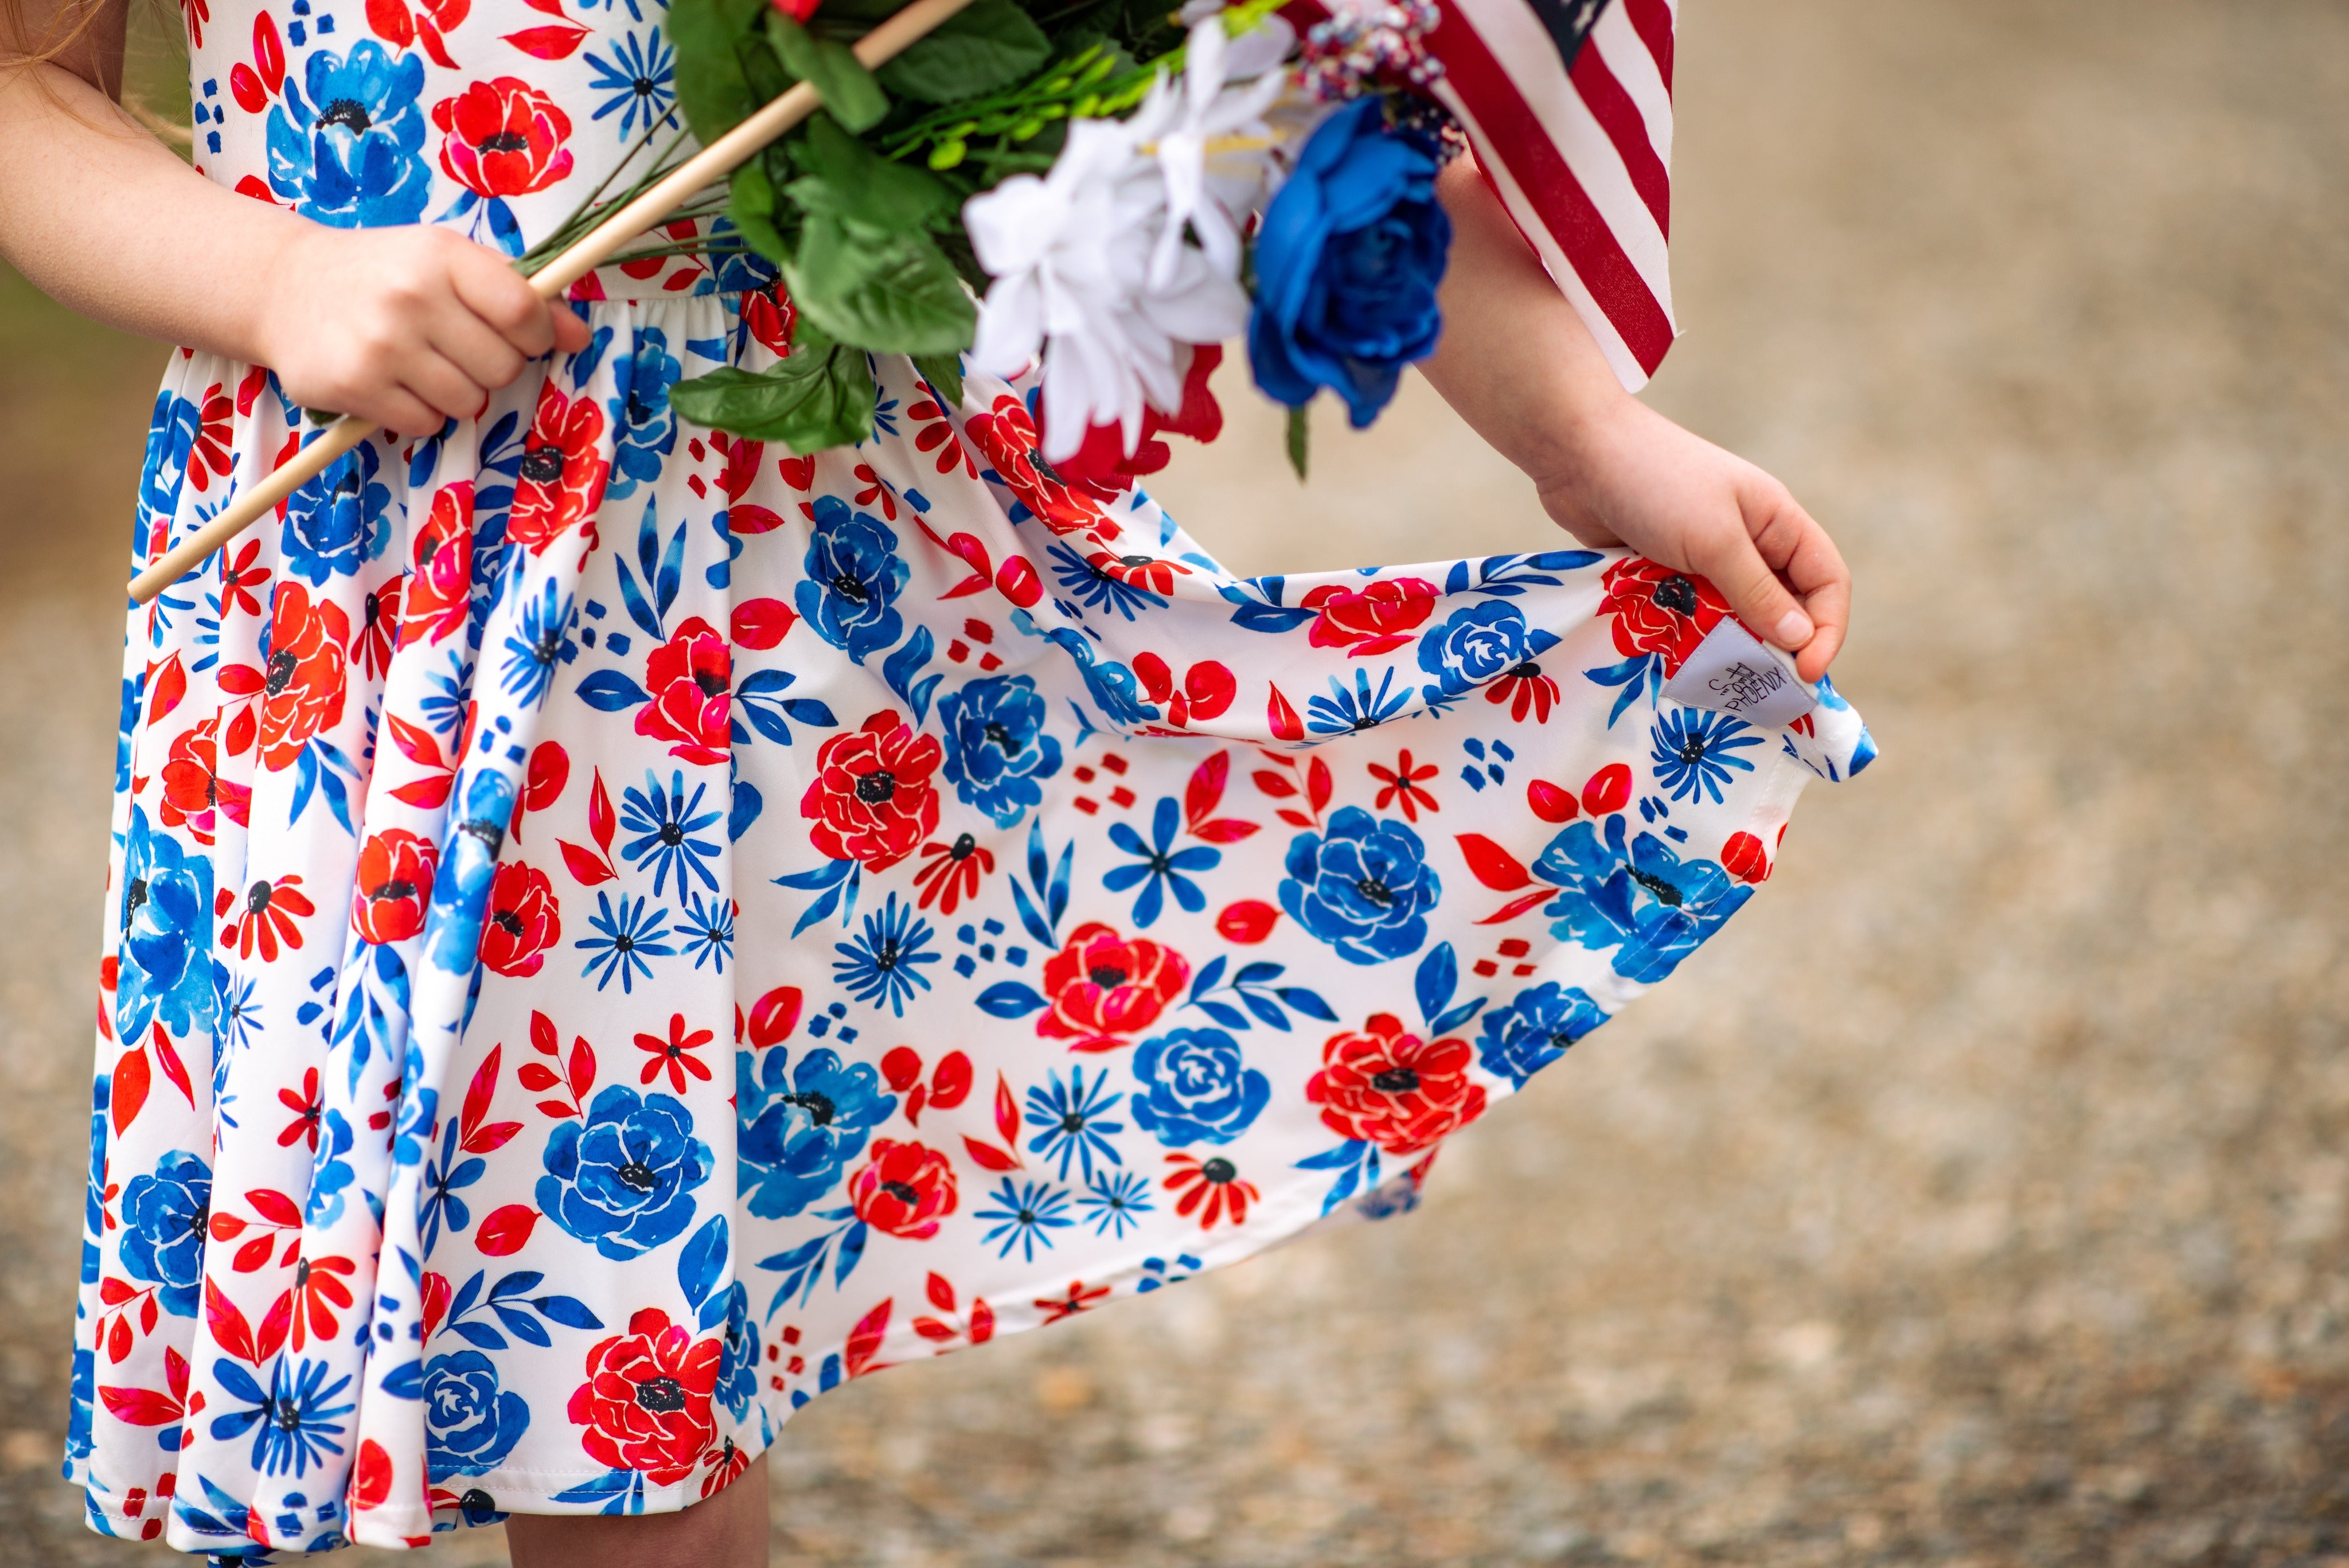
point(1092, 190)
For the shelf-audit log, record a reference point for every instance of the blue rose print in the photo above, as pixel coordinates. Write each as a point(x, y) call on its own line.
point(1647, 901)
point(997, 748)
point(1195, 1088)
point(350, 154)
point(1108, 683)
point(82, 1419)
point(1365, 888)
point(171, 439)
point(1535, 1030)
point(1475, 645)
point(643, 432)
point(166, 914)
point(854, 578)
point(461, 889)
point(164, 1220)
point(1347, 263)
point(737, 1364)
point(330, 1171)
point(469, 1424)
point(625, 1179)
point(799, 1128)
point(338, 520)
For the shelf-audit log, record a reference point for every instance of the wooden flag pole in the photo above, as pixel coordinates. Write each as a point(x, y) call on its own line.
point(704, 169)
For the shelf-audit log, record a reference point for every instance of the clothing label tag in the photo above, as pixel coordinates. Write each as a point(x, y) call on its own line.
point(1732, 671)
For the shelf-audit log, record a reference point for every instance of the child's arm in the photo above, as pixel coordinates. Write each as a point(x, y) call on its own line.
point(403, 327)
point(1520, 368)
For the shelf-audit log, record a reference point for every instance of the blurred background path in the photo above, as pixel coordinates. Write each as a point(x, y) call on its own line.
point(1980, 1197)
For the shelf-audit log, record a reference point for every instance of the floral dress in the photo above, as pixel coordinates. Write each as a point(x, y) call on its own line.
point(614, 931)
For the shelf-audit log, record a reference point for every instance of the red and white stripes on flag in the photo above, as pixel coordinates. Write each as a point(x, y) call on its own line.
point(1568, 104)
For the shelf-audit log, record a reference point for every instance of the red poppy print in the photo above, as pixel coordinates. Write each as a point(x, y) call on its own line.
point(394, 885)
point(1378, 618)
point(1660, 611)
point(904, 1190)
point(304, 681)
point(689, 677)
point(769, 315)
point(439, 594)
point(646, 1403)
point(1104, 989)
point(1390, 1087)
point(873, 801)
point(561, 480)
point(194, 790)
point(1006, 436)
point(503, 138)
point(522, 921)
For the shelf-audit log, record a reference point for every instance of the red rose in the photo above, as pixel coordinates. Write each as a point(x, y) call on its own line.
point(394, 885)
point(522, 922)
point(1104, 987)
point(1393, 1089)
point(769, 315)
point(871, 799)
point(560, 482)
point(646, 1403)
point(904, 1190)
point(503, 138)
point(441, 575)
point(1658, 611)
point(1378, 619)
point(302, 685)
point(192, 787)
point(690, 678)
point(1006, 436)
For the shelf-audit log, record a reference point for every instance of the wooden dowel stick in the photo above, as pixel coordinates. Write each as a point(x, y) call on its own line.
point(705, 168)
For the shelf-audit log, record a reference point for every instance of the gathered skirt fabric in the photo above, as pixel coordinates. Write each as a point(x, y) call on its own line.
point(615, 930)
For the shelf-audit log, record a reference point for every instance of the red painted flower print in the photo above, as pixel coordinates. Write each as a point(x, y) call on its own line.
point(193, 788)
point(690, 678)
point(1006, 437)
point(1105, 988)
point(646, 1403)
point(1104, 463)
point(304, 681)
point(904, 1190)
point(394, 885)
point(441, 574)
point(872, 800)
point(503, 138)
point(523, 921)
point(272, 914)
point(1375, 619)
point(769, 315)
point(1394, 1089)
point(561, 480)
point(1660, 611)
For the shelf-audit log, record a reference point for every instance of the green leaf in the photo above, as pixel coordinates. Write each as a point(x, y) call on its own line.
point(711, 83)
point(846, 179)
point(753, 208)
point(944, 373)
point(849, 91)
point(821, 396)
point(988, 45)
point(892, 294)
point(1299, 434)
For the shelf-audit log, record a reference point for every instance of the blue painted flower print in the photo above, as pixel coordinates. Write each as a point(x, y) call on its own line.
point(1535, 1030)
point(800, 1125)
point(1473, 645)
point(165, 974)
point(347, 147)
point(996, 748)
point(625, 1181)
point(1364, 887)
point(1695, 752)
point(163, 1220)
point(853, 577)
point(1195, 1088)
point(338, 521)
point(1645, 900)
point(471, 1425)
point(170, 439)
point(643, 432)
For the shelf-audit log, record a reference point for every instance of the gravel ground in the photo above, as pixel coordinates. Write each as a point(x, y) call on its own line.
point(1981, 1196)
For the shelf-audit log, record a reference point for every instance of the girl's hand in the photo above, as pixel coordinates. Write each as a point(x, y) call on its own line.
point(1518, 365)
point(407, 327)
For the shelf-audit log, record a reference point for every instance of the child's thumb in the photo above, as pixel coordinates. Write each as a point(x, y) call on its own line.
point(1753, 591)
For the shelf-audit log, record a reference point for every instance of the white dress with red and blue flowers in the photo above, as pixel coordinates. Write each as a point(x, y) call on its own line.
point(615, 930)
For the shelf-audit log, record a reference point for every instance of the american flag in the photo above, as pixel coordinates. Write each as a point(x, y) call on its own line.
point(1568, 104)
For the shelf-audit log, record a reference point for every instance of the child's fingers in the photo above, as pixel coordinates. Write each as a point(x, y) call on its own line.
point(571, 333)
point(503, 298)
point(1793, 545)
point(466, 341)
point(1726, 555)
point(439, 384)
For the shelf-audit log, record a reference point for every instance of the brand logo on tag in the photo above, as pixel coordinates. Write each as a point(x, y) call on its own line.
point(1732, 671)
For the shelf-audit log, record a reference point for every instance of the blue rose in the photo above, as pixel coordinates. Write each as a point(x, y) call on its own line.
point(164, 1220)
point(330, 1170)
point(854, 578)
point(1475, 644)
point(1647, 902)
point(1346, 264)
point(165, 971)
point(738, 1363)
point(1110, 684)
point(997, 748)
point(461, 889)
point(625, 1179)
point(1195, 1088)
point(1535, 1030)
point(642, 430)
point(1365, 888)
point(470, 1425)
point(338, 520)
point(350, 155)
point(800, 1127)
point(172, 431)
